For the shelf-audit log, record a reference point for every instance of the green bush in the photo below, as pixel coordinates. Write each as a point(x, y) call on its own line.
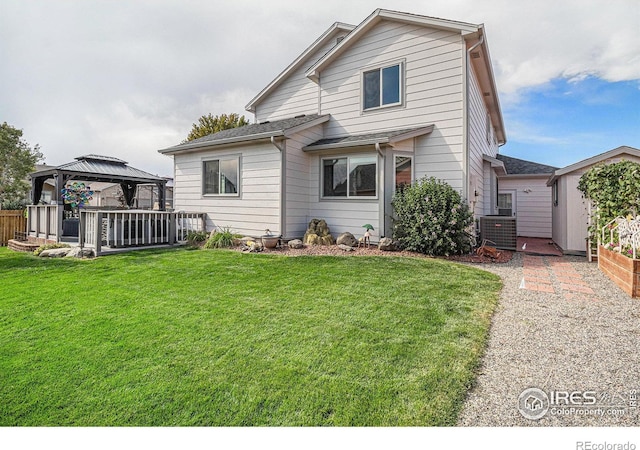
point(613, 191)
point(14, 204)
point(431, 218)
point(221, 239)
point(196, 237)
point(49, 247)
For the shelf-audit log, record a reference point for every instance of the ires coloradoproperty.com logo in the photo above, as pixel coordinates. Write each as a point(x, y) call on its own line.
point(534, 403)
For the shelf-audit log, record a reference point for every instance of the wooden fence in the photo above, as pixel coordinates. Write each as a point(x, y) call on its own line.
point(10, 222)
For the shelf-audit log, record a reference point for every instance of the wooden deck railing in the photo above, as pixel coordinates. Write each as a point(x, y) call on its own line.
point(123, 229)
point(42, 221)
point(116, 229)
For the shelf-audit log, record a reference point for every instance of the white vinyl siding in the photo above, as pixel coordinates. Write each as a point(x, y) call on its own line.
point(533, 205)
point(478, 118)
point(433, 93)
point(297, 182)
point(341, 214)
point(432, 72)
point(297, 94)
point(258, 205)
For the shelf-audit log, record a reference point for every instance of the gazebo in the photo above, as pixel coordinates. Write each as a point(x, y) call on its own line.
point(102, 228)
point(98, 168)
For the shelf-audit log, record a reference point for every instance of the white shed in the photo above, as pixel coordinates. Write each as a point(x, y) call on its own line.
point(570, 211)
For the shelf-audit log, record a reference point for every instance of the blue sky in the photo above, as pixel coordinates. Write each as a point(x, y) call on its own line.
point(562, 122)
point(128, 78)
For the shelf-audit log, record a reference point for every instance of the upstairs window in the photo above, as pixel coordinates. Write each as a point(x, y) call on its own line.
point(220, 176)
point(382, 87)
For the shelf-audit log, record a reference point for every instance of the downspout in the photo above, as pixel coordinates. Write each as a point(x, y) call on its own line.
point(283, 185)
point(381, 196)
point(465, 188)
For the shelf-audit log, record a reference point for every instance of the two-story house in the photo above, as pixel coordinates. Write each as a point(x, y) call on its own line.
point(361, 111)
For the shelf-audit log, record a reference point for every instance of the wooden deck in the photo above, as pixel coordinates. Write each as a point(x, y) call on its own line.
point(109, 231)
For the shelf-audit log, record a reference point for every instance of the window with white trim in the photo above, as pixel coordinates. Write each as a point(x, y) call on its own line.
point(221, 176)
point(350, 176)
point(382, 87)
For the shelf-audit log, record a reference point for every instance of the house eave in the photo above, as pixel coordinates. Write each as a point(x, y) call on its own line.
point(386, 140)
point(496, 164)
point(525, 175)
point(337, 26)
point(183, 148)
point(488, 84)
point(338, 145)
point(598, 158)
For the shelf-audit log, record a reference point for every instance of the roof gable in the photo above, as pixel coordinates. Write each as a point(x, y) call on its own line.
point(377, 16)
point(301, 60)
point(473, 34)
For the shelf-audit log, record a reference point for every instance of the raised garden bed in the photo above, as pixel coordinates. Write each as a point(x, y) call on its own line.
point(623, 271)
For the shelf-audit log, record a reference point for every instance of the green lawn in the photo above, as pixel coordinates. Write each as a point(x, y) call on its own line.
point(194, 337)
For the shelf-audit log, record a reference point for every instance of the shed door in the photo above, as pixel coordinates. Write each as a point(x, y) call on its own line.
point(507, 203)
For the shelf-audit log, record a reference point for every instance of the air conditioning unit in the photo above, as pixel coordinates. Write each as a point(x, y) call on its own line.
point(499, 229)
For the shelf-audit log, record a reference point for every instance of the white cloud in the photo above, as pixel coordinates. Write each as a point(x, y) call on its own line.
point(128, 78)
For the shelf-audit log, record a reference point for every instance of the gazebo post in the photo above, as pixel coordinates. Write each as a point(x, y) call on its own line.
point(162, 195)
point(60, 181)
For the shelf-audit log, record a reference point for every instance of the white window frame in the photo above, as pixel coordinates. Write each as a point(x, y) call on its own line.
point(401, 81)
point(413, 176)
point(348, 158)
point(235, 158)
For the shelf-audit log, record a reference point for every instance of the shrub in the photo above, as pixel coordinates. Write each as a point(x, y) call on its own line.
point(14, 204)
point(613, 191)
point(431, 218)
point(49, 247)
point(221, 239)
point(194, 238)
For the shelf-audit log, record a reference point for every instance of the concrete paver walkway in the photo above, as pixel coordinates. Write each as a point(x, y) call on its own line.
point(539, 274)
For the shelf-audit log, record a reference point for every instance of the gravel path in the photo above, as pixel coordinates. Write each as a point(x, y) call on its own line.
point(560, 325)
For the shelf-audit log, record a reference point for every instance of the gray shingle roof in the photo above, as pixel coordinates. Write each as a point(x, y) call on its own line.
point(515, 166)
point(106, 166)
point(248, 132)
point(368, 138)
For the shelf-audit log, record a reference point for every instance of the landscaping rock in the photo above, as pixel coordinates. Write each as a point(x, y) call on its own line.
point(347, 239)
point(386, 245)
point(318, 233)
point(252, 247)
point(346, 248)
point(77, 252)
point(295, 243)
point(55, 253)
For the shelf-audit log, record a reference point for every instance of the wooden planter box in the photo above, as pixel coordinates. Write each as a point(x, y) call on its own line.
point(623, 271)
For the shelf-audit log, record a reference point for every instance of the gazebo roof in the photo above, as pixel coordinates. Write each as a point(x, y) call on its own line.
point(100, 168)
point(96, 168)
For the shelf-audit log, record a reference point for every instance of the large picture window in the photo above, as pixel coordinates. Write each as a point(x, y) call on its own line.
point(220, 176)
point(382, 87)
point(353, 176)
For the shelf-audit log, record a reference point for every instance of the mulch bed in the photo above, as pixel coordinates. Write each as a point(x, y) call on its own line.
point(334, 250)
